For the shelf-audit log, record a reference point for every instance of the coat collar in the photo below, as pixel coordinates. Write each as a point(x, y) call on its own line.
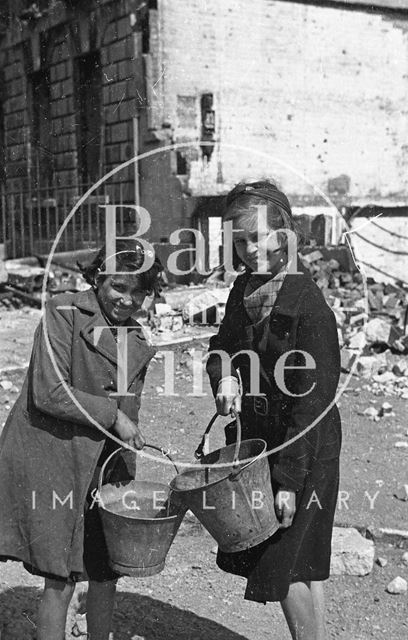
point(290, 294)
point(139, 352)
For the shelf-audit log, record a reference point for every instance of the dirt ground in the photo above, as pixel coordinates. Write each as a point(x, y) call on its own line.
point(193, 600)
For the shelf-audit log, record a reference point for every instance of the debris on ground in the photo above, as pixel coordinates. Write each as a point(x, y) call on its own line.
point(386, 411)
point(371, 317)
point(383, 306)
point(397, 586)
point(166, 319)
point(372, 413)
point(401, 444)
point(26, 277)
point(25, 282)
point(206, 308)
point(351, 553)
point(402, 493)
point(382, 562)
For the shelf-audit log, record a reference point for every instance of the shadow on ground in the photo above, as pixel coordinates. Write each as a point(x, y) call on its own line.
point(136, 617)
point(140, 616)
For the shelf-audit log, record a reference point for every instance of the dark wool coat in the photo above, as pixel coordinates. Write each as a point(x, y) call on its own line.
point(300, 320)
point(50, 446)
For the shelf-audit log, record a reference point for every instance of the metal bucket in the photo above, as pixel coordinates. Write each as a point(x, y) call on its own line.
point(140, 523)
point(233, 500)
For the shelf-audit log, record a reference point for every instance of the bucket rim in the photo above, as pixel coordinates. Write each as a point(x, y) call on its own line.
point(133, 480)
point(125, 517)
point(215, 482)
point(166, 487)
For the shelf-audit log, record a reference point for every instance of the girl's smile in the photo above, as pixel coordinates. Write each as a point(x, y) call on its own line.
point(120, 296)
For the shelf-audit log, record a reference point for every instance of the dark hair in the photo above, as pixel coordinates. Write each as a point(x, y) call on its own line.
point(130, 256)
point(278, 209)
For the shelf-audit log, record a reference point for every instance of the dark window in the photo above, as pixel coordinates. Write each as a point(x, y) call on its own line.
point(88, 91)
point(143, 22)
point(40, 116)
point(207, 124)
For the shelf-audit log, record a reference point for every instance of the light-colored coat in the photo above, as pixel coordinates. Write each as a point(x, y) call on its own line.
point(50, 445)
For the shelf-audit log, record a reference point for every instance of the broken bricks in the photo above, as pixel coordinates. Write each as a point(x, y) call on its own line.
point(402, 494)
point(381, 331)
point(207, 307)
point(375, 414)
point(369, 366)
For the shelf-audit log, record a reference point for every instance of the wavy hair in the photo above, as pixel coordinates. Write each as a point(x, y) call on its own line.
point(130, 257)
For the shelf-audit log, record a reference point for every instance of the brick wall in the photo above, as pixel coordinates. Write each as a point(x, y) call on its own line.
point(319, 91)
point(16, 134)
point(119, 97)
point(106, 29)
point(297, 89)
point(63, 116)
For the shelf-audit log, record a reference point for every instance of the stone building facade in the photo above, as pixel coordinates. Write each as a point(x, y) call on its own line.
point(311, 94)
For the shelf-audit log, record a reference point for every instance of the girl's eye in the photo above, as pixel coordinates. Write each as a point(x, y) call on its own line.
point(118, 287)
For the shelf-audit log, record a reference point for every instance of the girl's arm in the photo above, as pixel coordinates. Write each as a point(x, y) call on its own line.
point(317, 335)
point(50, 375)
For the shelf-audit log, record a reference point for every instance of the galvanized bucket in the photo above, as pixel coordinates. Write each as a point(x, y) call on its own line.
point(232, 499)
point(140, 522)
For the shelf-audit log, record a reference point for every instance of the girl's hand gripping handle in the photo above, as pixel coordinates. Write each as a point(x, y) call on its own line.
point(128, 431)
point(228, 396)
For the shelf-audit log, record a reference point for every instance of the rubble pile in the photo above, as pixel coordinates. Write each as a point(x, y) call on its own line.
point(371, 323)
point(371, 317)
point(24, 282)
point(382, 308)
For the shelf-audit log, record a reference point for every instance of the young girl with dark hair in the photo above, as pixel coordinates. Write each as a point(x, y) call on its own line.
point(276, 310)
point(51, 450)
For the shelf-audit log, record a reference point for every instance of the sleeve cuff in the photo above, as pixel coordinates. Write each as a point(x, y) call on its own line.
point(229, 379)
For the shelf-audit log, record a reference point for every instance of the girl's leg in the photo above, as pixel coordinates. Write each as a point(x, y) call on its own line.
point(99, 609)
point(299, 611)
point(317, 591)
point(52, 613)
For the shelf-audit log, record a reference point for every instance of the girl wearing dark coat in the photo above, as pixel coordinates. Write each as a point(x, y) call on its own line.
point(51, 450)
point(276, 310)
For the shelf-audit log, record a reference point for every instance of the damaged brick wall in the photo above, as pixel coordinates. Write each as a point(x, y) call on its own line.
point(57, 45)
point(322, 89)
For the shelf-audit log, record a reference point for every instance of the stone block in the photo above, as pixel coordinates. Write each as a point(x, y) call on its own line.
point(348, 357)
point(357, 340)
point(118, 51)
point(351, 553)
point(119, 133)
point(61, 71)
point(379, 330)
point(123, 27)
point(313, 256)
point(368, 366)
point(124, 70)
point(397, 586)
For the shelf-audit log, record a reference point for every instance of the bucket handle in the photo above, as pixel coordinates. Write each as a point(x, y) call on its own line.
point(151, 446)
point(199, 452)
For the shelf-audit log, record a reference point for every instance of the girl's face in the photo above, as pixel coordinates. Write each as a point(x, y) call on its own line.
point(120, 296)
point(257, 246)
